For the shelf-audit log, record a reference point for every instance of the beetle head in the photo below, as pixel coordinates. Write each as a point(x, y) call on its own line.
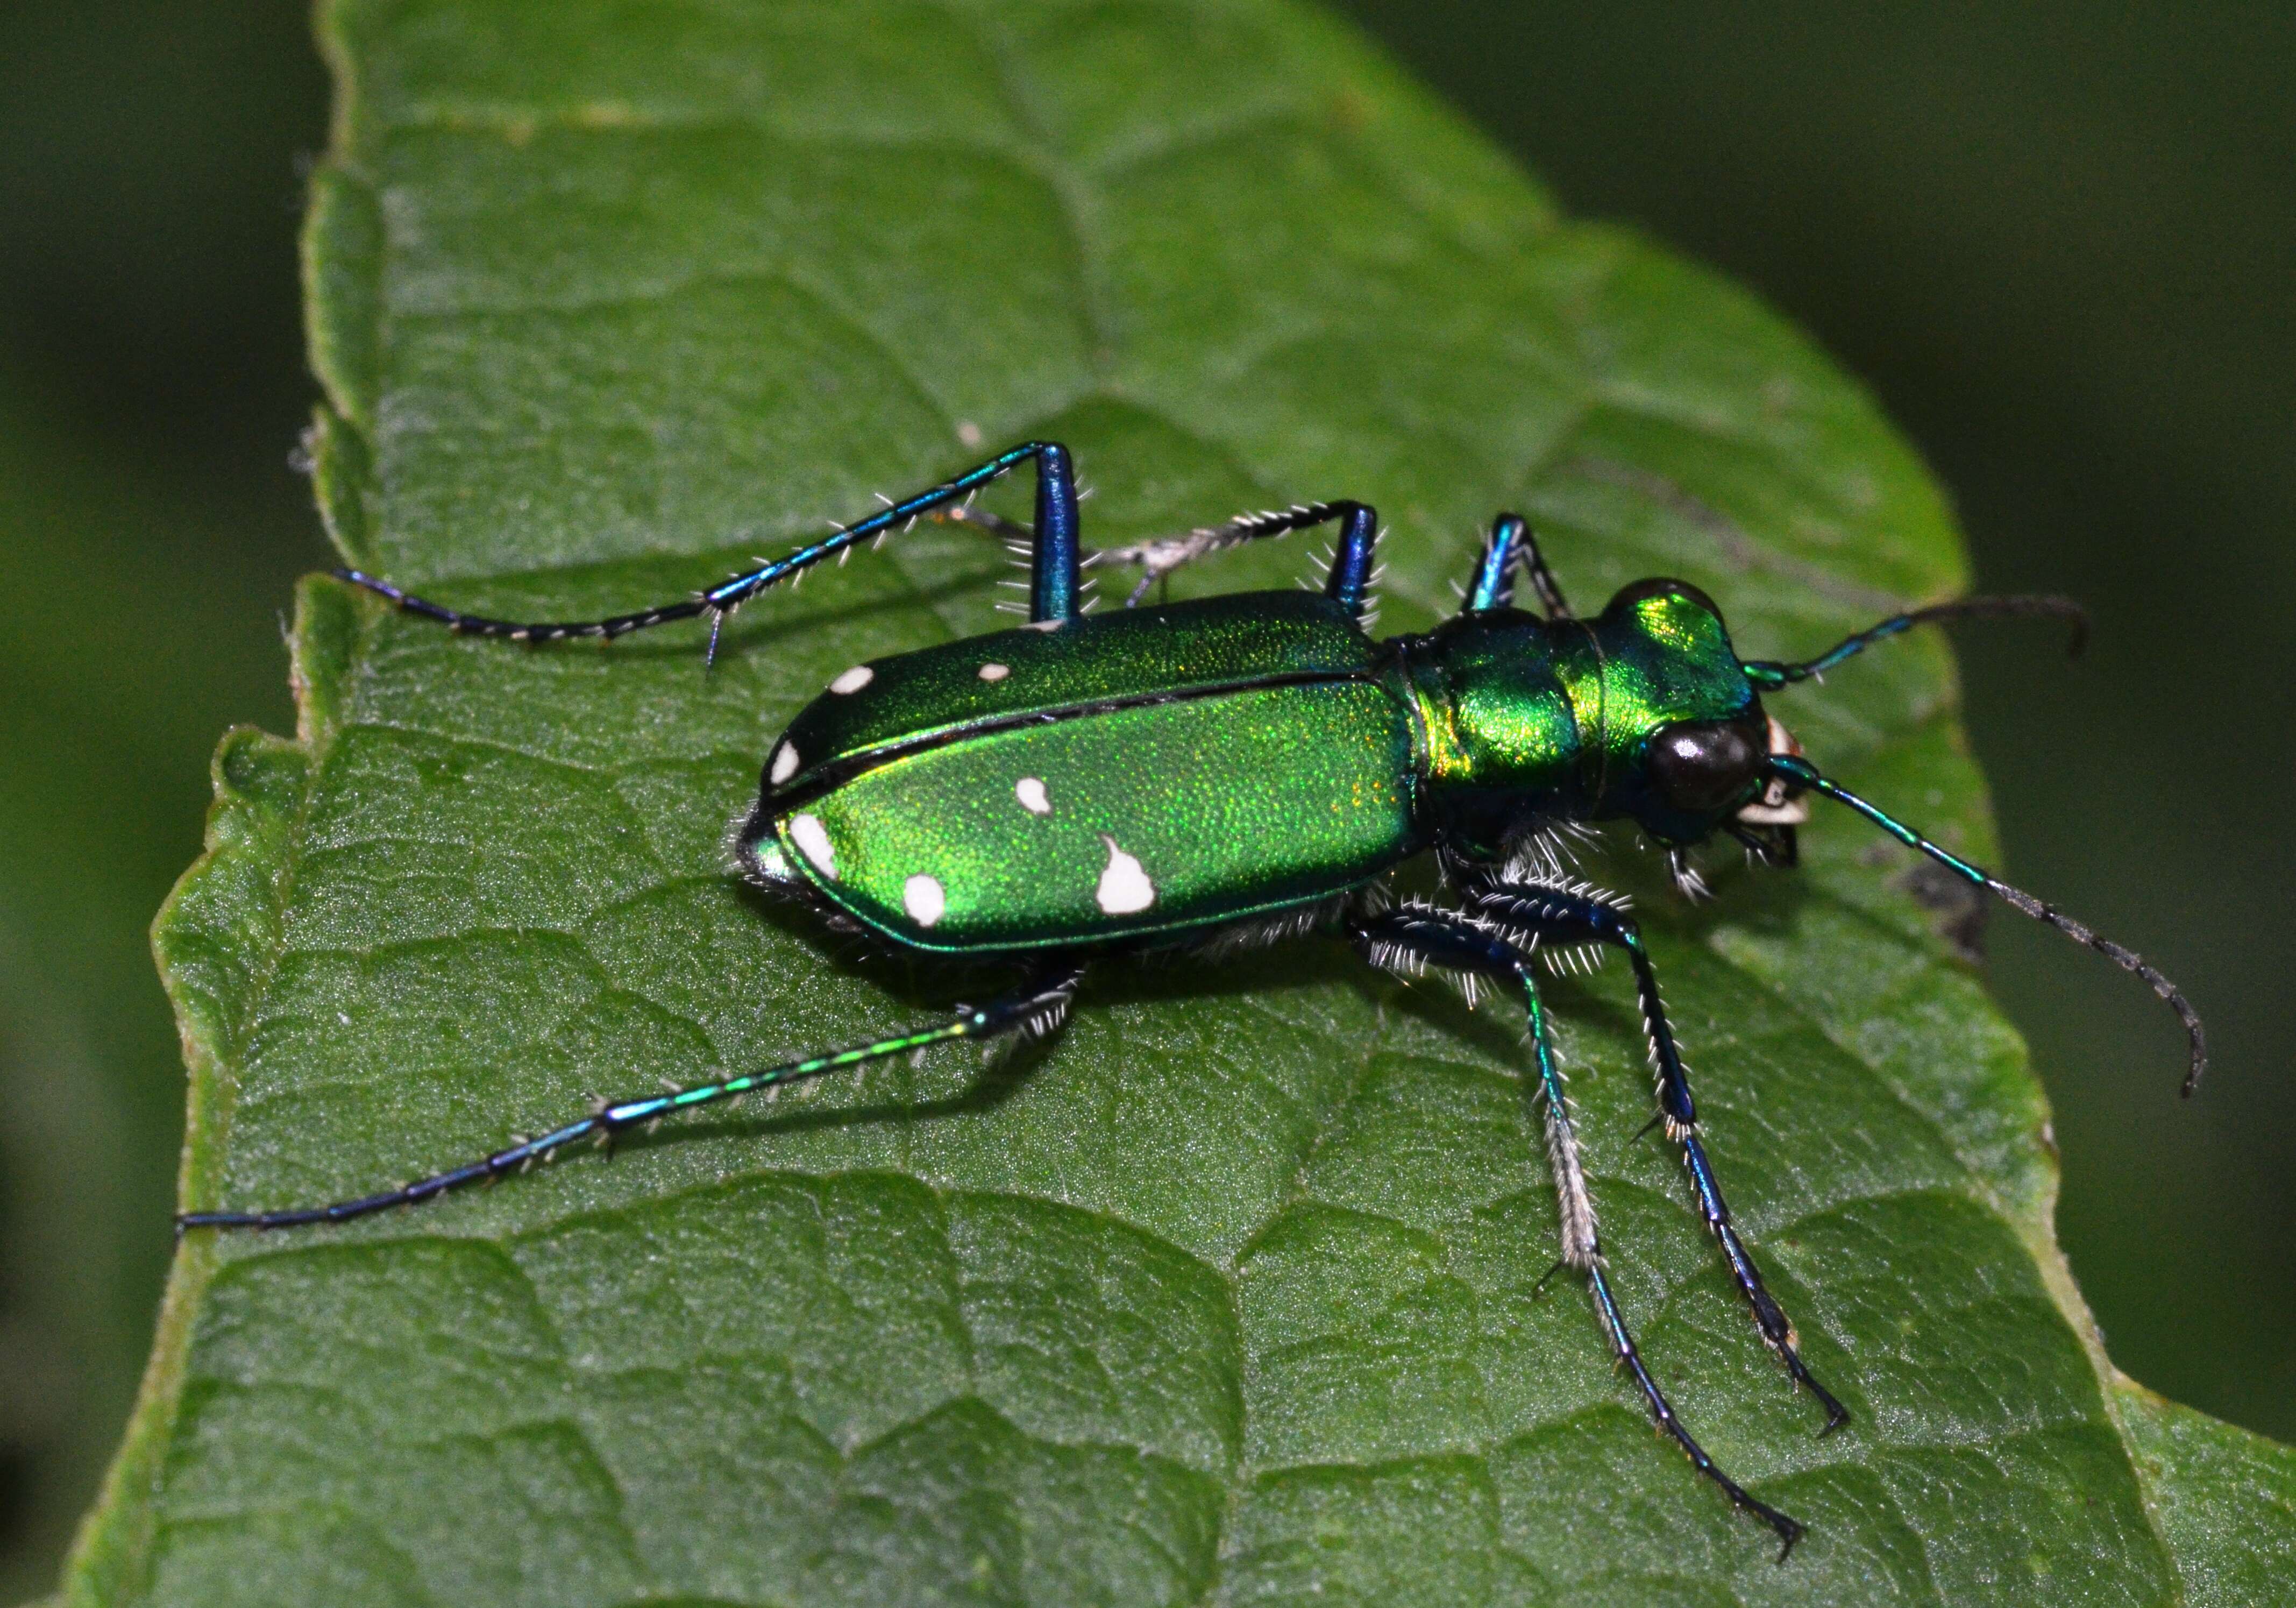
point(1684, 739)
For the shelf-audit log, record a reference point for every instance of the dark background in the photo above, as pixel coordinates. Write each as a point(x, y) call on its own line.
point(2054, 238)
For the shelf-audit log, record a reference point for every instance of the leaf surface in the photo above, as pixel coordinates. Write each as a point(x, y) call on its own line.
point(1229, 1293)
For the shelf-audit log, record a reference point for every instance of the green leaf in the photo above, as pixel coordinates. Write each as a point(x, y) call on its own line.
point(2225, 1500)
point(1228, 1294)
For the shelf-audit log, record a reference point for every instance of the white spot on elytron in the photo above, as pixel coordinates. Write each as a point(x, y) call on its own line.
point(1031, 794)
point(1123, 887)
point(993, 671)
point(854, 679)
point(813, 842)
point(1044, 625)
point(922, 897)
point(784, 763)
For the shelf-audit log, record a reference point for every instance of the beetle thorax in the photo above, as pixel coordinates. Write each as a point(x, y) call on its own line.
point(1498, 700)
point(1527, 719)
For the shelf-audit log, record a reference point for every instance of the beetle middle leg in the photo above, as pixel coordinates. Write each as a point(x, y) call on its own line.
point(1424, 936)
point(1568, 916)
point(1349, 579)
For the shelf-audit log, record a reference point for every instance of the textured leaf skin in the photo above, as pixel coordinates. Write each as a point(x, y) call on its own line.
point(2225, 1499)
point(1227, 1296)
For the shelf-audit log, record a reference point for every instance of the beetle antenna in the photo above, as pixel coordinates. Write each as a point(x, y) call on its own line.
point(1770, 674)
point(1799, 774)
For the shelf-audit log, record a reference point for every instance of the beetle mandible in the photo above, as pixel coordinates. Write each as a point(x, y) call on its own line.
point(1252, 766)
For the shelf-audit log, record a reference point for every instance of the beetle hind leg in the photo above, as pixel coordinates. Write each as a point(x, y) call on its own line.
point(1052, 580)
point(1037, 1007)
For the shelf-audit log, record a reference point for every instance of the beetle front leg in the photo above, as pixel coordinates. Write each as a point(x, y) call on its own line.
point(1564, 916)
point(1420, 935)
point(1510, 544)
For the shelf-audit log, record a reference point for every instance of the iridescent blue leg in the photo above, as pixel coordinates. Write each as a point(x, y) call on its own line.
point(1349, 580)
point(1040, 1004)
point(1052, 558)
point(1563, 916)
point(1510, 544)
point(1419, 936)
point(1053, 567)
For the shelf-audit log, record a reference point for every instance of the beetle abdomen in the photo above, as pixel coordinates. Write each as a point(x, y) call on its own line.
point(1128, 820)
point(1167, 797)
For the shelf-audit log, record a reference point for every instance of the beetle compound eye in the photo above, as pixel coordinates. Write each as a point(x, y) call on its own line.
point(1704, 765)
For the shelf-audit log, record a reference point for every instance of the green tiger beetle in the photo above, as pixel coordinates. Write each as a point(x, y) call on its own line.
point(1248, 767)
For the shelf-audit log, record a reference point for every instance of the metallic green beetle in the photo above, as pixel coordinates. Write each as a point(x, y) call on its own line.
point(1248, 767)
